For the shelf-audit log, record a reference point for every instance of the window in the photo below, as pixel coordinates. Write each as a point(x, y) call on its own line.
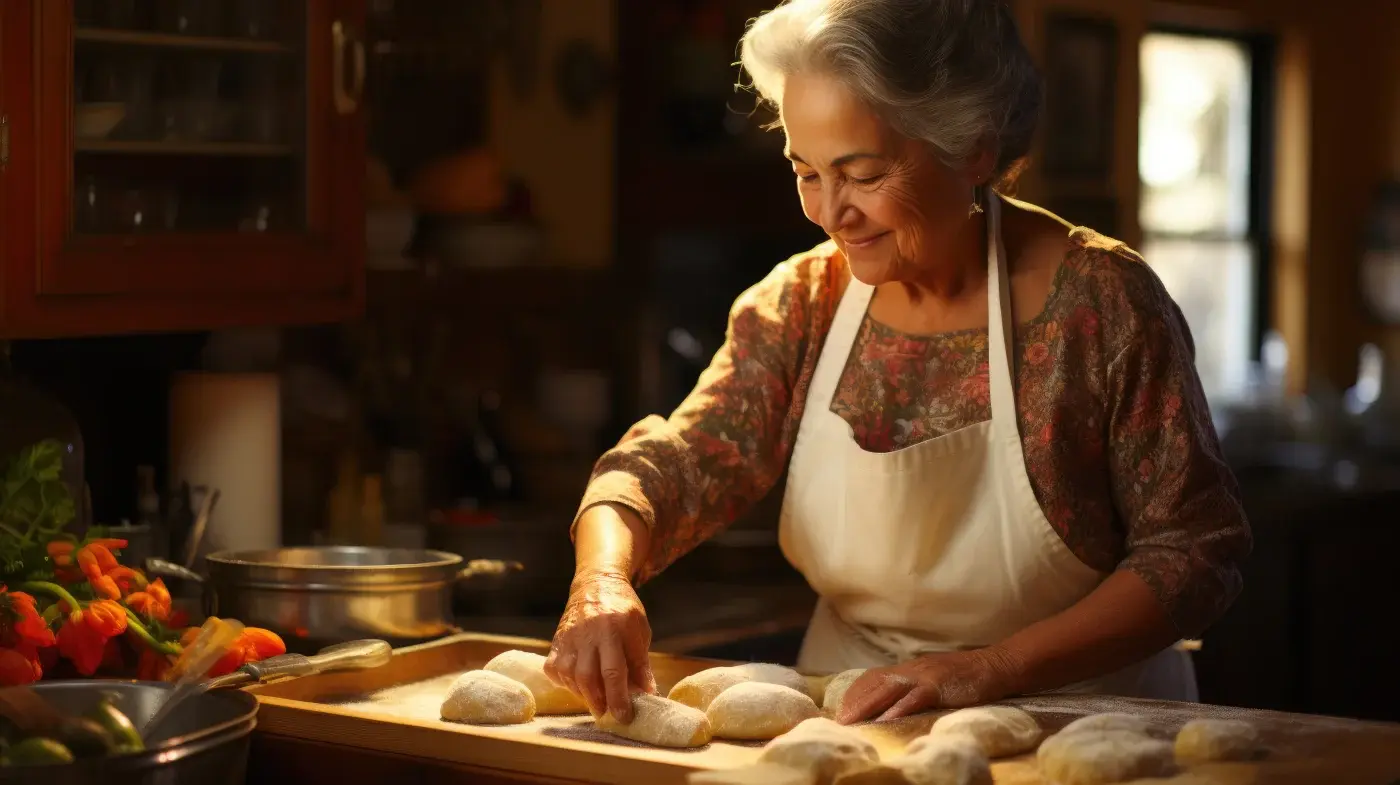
point(1202, 162)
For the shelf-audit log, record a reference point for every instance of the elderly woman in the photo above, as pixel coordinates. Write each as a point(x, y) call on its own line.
point(1002, 474)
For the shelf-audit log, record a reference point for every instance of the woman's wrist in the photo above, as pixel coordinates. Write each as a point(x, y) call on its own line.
point(1007, 668)
point(609, 540)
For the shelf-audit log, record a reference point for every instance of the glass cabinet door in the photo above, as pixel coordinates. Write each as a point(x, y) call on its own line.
point(205, 145)
point(188, 116)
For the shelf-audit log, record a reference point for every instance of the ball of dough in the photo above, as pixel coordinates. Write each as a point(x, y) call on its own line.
point(823, 749)
point(1202, 741)
point(930, 760)
point(528, 669)
point(950, 759)
point(837, 687)
point(699, 689)
point(758, 710)
point(486, 698)
point(999, 730)
point(1113, 720)
point(1102, 757)
point(660, 722)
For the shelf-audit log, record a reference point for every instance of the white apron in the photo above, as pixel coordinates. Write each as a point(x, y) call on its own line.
point(940, 546)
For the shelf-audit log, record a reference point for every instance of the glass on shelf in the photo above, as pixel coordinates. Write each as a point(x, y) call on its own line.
point(190, 17)
point(189, 116)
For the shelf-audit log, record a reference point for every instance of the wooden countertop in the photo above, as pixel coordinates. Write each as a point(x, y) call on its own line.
point(375, 726)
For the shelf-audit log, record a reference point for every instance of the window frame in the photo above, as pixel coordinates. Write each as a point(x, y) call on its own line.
point(1263, 54)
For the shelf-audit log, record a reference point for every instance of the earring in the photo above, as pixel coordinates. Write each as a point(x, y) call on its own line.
point(976, 206)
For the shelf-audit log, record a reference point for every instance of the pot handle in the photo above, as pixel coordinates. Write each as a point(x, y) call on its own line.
point(168, 569)
point(477, 567)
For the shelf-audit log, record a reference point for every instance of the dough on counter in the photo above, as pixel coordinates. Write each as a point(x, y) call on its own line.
point(759, 710)
point(951, 759)
point(999, 730)
point(1103, 757)
point(699, 689)
point(528, 669)
point(822, 748)
point(837, 687)
point(1112, 720)
point(660, 722)
point(485, 698)
point(1204, 741)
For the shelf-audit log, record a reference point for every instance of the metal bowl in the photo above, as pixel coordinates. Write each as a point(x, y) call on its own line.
point(205, 740)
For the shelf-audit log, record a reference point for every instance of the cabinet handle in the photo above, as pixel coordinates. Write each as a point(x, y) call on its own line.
point(347, 98)
point(4, 142)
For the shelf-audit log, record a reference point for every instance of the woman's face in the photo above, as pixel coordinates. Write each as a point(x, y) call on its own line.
point(890, 204)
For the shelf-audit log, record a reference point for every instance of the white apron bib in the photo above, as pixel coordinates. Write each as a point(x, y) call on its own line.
point(940, 546)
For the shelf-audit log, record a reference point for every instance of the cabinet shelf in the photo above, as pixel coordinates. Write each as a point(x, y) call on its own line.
point(172, 41)
point(210, 149)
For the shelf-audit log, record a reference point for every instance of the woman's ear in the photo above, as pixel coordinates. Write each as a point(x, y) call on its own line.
point(980, 166)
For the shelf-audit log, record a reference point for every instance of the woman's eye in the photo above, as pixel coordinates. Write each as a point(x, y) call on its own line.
point(867, 180)
point(811, 177)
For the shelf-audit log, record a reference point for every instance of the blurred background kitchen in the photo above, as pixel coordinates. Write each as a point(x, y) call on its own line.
point(396, 271)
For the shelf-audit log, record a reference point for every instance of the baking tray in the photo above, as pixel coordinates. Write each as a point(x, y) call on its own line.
point(394, 710)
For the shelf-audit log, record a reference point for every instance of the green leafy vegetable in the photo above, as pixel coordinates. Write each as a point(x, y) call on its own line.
point(35, 506)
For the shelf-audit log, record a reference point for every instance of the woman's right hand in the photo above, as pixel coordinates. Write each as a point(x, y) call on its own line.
point(600, 649)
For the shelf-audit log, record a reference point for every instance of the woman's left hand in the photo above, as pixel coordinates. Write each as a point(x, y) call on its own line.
point(949, 680)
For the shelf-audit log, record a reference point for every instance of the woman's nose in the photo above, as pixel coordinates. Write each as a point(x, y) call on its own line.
point(832, 212)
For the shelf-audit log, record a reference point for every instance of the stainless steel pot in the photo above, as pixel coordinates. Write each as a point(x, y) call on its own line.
point(205, 739)
point(321, 595)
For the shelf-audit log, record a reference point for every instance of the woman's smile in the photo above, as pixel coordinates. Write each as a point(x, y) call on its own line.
point(864, 242)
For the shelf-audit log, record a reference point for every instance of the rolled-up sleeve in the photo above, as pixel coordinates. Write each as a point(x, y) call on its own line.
point(690, 475)
point(1186, 531)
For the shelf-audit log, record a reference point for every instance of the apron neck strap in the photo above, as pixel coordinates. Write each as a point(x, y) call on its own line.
point(1000, 330)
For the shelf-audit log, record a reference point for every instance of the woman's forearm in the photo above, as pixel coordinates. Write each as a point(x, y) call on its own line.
point(609, 538)
point(1118, 624)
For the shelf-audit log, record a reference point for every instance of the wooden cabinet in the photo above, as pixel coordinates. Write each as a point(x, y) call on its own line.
point(179, 164)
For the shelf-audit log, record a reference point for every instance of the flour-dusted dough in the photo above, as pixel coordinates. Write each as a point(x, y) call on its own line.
point(758, 710)
point(528, 669)
point(837, 687)
point(1112, 720)
point(948, 759)
point(955, 759)
point(1103, 757)
point(822, 748)
point(486, 698)
point(1203, 741)
point(660, 722)
point(1000, 730)
point(699, 689)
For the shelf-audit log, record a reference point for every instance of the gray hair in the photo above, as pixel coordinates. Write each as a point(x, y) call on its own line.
point(953, 73)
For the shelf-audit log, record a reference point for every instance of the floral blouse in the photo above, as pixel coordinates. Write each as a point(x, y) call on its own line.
point(1118, 439)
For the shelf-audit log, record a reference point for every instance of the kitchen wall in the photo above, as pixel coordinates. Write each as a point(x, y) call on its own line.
point(566, 159)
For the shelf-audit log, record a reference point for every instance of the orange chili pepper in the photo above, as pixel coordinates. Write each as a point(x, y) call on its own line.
point(153, 601)
point(98, 564)
point(253, 645)
point(24, 627)
point(83, 638)
point(61, 553)
point(17, 668)
point(153, 665)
